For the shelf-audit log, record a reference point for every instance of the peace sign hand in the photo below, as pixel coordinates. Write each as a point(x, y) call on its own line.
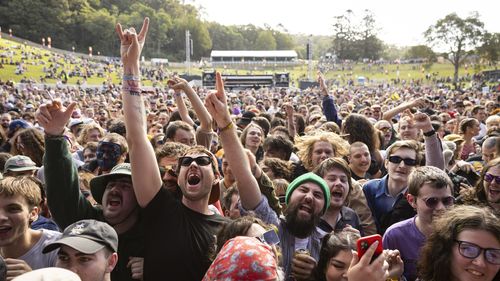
point(131, 42)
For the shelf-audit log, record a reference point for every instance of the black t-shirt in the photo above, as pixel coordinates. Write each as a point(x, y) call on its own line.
point(130, 244)
point(179, 241)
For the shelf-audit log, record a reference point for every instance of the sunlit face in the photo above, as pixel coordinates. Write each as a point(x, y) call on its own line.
point(310, 200)
point(118, 200)
point(492, 189)
point(336, 269)
point(15, 215)
point(196, 180)
point(466, 269)
point(480, 115)
point(408, 130)
point(360, 158)
point(89, 267)
point(185, 137)
point(321, 150)
point(492, 123)
point(253, 138)
point(5, 120)
point(94, 135)
point(426, 214)
point(386, 129)
point(400, 172)
point(338, 183)
point(226, 169)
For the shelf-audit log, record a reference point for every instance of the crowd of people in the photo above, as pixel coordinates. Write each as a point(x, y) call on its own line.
point(188, 183)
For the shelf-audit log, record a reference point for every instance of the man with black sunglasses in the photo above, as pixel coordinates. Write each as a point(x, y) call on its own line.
point(429, 193)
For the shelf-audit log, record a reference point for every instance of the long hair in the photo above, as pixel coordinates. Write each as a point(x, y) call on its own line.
point(436, 254)
point(306, 143)
point(478, 194)
point(359, 128)
point(33, 144)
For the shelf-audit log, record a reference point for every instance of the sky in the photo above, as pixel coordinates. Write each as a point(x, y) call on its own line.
point(400, 23)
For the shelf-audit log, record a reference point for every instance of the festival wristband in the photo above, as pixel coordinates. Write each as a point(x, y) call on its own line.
point(131, 78)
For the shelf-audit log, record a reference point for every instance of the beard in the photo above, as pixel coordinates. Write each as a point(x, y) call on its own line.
point(299, 227)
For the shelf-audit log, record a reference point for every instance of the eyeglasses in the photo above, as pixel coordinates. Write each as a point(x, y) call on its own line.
point(432, 202)
point(472, 251)
point(384, 129)
point(282, 199)
point(170, 169)
point(397, 160)
point(201, 160)
point(490, 178)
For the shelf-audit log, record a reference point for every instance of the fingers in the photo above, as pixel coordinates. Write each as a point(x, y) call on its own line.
point(144, 29)
point(355, 259)
point(220, 87)
point(367, 257)
point(119, 31)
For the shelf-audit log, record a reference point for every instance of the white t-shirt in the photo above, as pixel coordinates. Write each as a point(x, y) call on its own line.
point(34, 257)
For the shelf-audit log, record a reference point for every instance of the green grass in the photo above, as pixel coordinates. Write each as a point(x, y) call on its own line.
point(406, 71)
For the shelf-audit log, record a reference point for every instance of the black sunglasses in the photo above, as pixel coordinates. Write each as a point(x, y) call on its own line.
point(201, 160)
point(432, 202)
point(282, 199)
point(472, 251)
point(490, 178)
point(397, 160)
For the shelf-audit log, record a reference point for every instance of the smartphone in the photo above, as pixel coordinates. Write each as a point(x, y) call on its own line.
point(365, 242)
point(271, 237)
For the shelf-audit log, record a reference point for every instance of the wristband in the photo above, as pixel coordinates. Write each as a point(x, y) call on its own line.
point(429, 133)
point(227, 127)
point(131, 78)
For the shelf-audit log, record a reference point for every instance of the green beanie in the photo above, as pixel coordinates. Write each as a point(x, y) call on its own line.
point(309, 177)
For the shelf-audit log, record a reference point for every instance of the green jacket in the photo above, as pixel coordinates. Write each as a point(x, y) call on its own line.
point(68, 205)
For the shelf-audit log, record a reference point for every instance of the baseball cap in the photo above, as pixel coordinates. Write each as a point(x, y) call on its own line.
point(98, 184)
point(19, 163)
point(48, 274)
point(246, 118)
point(86, 236)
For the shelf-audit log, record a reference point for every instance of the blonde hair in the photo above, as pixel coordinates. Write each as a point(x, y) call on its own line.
point(26, 186)
point(306, 143)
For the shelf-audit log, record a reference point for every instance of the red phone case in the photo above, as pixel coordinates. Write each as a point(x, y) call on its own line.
point(365, 242)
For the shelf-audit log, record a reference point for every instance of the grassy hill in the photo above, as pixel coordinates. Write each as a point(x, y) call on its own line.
point(34, 65)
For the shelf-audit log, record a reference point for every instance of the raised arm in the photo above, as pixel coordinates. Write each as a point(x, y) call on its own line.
point(181, 107)
point(199, 108)
point(433, 149)
point(64, 198)
point(216, 104)
point(145, 173)
point(290, 120)
point(388, 115)
point(328, 104)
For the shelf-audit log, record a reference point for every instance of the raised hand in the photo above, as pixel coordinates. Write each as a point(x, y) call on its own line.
point(422, 121)
point(362, 269)
point(131, 42)
point(322, 84)
point(53, 117)
point(178, 84)
point(216, 103)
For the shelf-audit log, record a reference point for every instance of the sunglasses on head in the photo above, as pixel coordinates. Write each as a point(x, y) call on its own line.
point(200, 160)
point(407, 161)
point(490, 178)
point(432, 202)
point(472, 251)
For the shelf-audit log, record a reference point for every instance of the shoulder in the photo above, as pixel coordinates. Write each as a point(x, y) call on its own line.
point(400, 228)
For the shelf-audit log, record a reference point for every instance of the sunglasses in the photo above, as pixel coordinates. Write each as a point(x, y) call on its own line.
point(201, 160)
point(170, 169)
point(432, 202)
point(472, 251)
point(490, 178)
point(384, 129)
point(282, 199)
point(397, 160)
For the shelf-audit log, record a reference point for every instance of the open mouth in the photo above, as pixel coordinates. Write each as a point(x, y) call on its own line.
point(474, 272)
point(306, 208)
point(494, 192)
point(115, 201)
point(337, 194)
point(193, 179)
point(4, 229)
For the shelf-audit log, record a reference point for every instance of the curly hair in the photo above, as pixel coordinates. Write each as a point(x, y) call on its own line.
point(171, 149)
point(359, 128)
point(29, 142)
point(306, 143)
point(87, 128)
point(281, 169)
point(437, 252)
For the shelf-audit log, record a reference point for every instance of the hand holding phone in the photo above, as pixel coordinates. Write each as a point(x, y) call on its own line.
point(365, 242)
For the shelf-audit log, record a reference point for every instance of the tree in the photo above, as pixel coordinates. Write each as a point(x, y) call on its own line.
point(490, 49)
point(265, 41)
point(368, 45)
point(457, 37)
point(344, 34)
